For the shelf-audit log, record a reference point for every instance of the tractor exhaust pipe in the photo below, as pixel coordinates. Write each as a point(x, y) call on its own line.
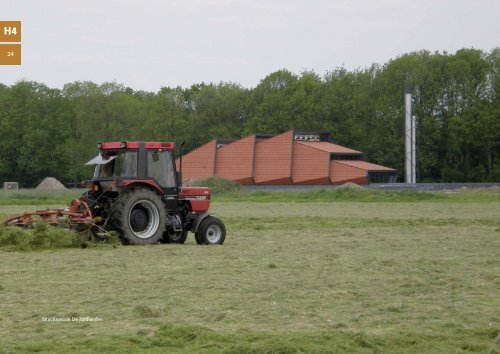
point(179, 173)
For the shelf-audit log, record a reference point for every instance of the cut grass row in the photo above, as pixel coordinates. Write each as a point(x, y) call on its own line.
point(174, 338)
point(346, 194)
point(45, 237)
point(35, 197)
point(269, 216)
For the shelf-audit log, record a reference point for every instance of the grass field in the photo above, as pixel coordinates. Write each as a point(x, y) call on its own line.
point(385, 273)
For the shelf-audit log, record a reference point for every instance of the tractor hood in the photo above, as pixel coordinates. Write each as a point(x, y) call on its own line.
point(198, 197)
point(194, 192)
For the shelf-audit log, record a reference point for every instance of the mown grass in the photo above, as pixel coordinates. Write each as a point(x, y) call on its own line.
point(374, 277)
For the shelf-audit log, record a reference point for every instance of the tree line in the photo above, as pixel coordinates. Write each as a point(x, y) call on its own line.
point(52, 132)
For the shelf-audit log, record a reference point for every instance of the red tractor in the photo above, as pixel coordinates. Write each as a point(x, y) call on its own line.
point(136, 191)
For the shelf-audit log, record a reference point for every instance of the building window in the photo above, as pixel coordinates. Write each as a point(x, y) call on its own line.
point(349, 157)
point(382, 177)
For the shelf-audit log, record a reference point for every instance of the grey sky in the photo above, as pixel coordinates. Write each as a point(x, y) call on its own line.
point(147, 44)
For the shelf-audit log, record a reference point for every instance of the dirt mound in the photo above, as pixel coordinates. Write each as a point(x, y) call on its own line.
point(350, 185)
point(50, 184)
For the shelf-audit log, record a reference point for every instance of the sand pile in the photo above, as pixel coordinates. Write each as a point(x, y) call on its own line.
point(50, 184)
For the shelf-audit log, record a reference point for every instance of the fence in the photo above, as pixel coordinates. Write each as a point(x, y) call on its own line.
point(384, 186)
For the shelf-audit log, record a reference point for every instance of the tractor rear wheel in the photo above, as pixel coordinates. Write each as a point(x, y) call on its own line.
point(211, 232)
point(139, 215)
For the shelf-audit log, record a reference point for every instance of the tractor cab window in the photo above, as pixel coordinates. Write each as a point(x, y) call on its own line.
point(106, 170)
point(161, 168)
point(119, 165)
point(126, 166)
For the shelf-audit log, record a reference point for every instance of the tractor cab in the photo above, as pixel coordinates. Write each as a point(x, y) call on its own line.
point(122, 163)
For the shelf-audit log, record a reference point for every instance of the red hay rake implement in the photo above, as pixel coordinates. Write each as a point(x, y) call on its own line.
point(78, 214)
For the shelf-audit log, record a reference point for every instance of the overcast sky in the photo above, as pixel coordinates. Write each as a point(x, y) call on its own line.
point(147, 44)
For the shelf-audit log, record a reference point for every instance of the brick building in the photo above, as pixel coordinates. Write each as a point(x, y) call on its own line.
point(294, 157)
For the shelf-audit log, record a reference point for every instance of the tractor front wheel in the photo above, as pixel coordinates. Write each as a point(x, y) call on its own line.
point(211, 232)
point(139, 215)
